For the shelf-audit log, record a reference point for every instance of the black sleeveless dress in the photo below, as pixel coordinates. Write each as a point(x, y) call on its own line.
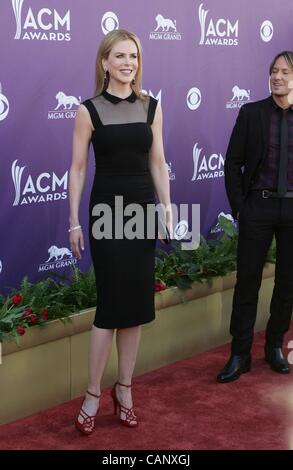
point(124, 268)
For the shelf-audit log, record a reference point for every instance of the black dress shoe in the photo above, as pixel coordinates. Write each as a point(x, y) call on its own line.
point(277, 361)
point(236, 366)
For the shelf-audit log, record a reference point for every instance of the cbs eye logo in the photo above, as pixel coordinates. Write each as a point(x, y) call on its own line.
point(4, 106)
point(180, 230)
point(193, 98)
point(266, 31)
point(109, 22)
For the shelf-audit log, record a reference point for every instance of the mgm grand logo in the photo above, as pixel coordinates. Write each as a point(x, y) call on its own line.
point(165, 29)
point(65, 107)
point(58, 258)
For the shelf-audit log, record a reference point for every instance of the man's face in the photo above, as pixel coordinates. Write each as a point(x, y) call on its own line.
point(280, 78)
point(290, 96)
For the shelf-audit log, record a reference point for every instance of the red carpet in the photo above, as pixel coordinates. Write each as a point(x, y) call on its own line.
point(181, 407)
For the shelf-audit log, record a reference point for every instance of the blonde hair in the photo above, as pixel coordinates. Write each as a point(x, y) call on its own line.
point(105, 48)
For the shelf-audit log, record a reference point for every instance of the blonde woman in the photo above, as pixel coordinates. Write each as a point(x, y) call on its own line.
point(125, 128)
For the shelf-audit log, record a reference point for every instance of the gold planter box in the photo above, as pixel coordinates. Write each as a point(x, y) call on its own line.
point(50, 365)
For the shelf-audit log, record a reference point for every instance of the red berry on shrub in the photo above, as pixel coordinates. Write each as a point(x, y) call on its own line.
point(33, 319)
point(20, 330)
point(160, 286)
point(44, 314)
point(17, 299)
point(27, 312)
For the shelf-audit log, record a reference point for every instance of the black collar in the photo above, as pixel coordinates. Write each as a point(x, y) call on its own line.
point(116, 99)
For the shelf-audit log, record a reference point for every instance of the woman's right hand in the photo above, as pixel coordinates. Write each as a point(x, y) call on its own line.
point(76, 242)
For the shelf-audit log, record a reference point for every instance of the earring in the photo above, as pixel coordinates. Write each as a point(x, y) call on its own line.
point(106, 75)
point(133, 81)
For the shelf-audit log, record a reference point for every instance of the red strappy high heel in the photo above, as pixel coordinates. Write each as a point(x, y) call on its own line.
point(130, 419)
point(88, 424)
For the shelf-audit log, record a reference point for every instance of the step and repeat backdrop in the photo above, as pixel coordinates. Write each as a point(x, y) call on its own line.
point(202, 59)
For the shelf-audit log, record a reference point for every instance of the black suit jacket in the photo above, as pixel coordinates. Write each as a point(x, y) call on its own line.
point(248, 147)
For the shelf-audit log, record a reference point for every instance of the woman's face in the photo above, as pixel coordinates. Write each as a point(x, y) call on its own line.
point(122, 62)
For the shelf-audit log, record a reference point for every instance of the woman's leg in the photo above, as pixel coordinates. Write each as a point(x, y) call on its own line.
point(99, 351)
point(127, 340)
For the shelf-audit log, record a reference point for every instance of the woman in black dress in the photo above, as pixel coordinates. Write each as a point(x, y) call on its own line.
point(125, 128)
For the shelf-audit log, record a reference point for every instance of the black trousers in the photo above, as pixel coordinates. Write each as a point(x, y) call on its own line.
point(259, 221)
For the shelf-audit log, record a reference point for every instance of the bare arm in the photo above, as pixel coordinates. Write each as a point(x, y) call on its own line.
point(158, 166)
point(81, 139)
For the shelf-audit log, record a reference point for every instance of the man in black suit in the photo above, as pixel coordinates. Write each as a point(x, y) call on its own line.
point(259, 185)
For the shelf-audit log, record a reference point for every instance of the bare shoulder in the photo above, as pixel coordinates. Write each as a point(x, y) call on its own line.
point(82, 111)
point(158, 113)
point(83, 118)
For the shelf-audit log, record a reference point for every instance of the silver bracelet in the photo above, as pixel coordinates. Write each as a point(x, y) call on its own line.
point(74, 228)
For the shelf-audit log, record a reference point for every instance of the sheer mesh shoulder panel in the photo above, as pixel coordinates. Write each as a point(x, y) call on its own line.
point(125, 112)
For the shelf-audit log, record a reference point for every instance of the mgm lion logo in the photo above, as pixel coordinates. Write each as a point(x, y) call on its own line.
point(55, 252)
point(66, 101)
point(165, 23)
point(240, 94)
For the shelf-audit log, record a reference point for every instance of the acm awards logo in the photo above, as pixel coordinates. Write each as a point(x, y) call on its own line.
point(165, 29)
point(65, 107)
point(42, 25)
point(4, 105)
point(239, 98)
point(47, 187)
point(58, 258)
point(206, 167)
point(109, 22)
point(219, 32)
